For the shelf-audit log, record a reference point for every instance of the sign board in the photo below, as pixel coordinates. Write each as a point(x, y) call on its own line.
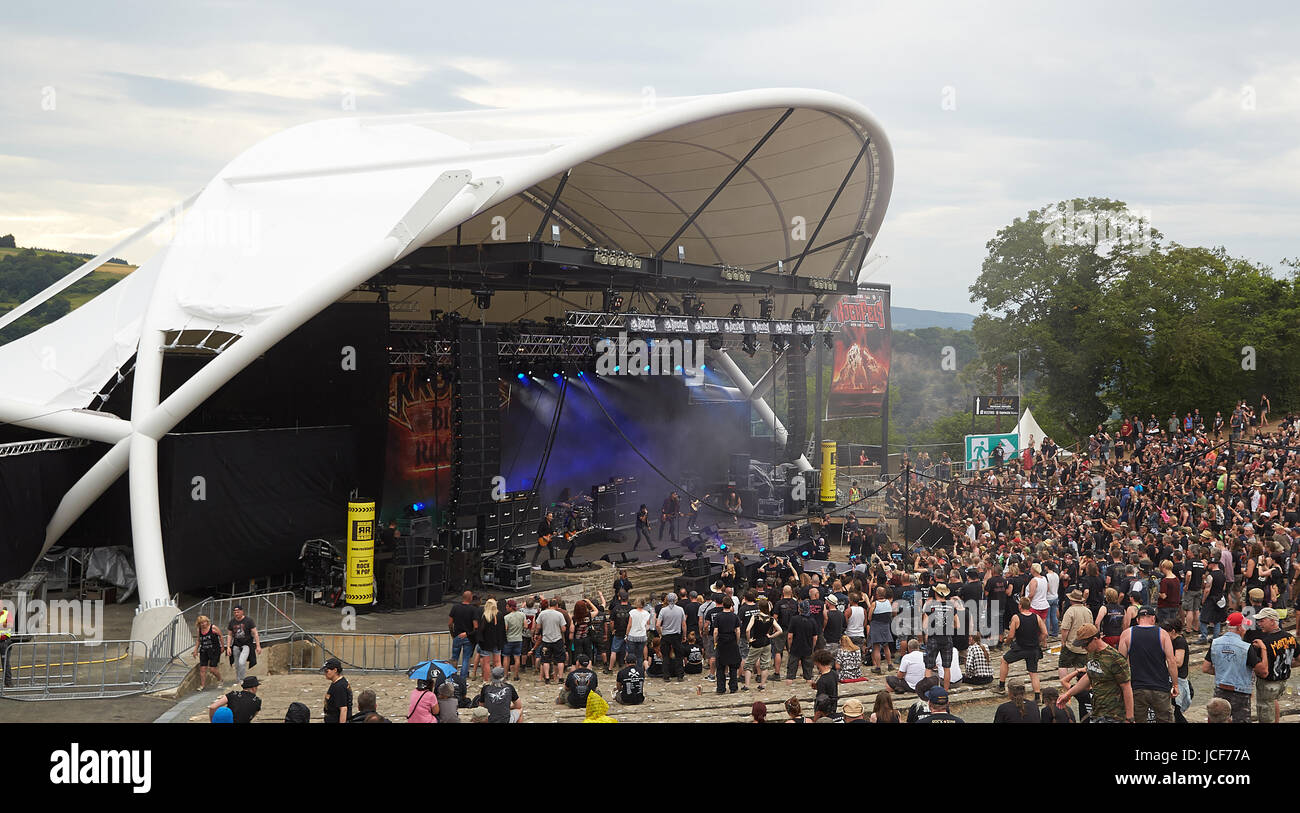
point(997, 405)
point(860, 365)
point(979, 449)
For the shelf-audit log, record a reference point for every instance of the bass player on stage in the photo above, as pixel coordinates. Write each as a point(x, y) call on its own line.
point(668, 516)
point(545, 531)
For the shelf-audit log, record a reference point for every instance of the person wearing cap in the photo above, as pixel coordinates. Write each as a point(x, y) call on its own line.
point(243, 704)
point(1232, 662)
point(1106, 675)
point(1076, 616)
point(338, 697)
point(853, 711)
point(940, 626)
point(501, 699)
point(1276, 648)
point(1154, 670)
point(243, 643)
point(578, 684)
point(937, 698)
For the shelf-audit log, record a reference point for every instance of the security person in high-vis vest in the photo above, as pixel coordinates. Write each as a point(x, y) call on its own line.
point(6, 638)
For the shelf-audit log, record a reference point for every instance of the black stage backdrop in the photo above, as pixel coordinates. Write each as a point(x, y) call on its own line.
point(331, 372)
point(264, 494)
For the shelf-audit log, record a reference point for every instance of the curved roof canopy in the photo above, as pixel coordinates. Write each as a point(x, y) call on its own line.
point(297, 221)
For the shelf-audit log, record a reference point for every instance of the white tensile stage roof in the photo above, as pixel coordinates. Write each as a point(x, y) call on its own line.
point(738, 179)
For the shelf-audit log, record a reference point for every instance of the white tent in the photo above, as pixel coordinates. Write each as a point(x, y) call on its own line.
point(1028, 428)
point(302, 219)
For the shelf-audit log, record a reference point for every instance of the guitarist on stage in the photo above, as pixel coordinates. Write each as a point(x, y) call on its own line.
point(545, 531)
point(668, 516)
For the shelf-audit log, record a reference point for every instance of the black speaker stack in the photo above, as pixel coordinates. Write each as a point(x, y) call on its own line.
point(796, 405)
point(511, 522)
point(614, 504)
point(738, 471)
point(476, 420)
point(409, 586)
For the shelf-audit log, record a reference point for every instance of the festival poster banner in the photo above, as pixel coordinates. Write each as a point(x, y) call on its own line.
point(860, 368)
point(418, 466)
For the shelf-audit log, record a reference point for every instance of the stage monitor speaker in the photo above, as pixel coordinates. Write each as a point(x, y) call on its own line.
point(619, 558)
point(697, 566)
point(577, 562)
point(698, 584)
point(553, 564)
point(770, 509)
point(671, 553)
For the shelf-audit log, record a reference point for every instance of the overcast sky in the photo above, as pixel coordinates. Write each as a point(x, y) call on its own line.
point(110, 112)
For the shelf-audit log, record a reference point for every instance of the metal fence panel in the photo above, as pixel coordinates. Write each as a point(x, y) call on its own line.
point(272, 612)
point(368, 652)
point(71, 669)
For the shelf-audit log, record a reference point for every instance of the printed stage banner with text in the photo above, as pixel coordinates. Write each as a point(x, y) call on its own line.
point(418, 467)
point(860, 368)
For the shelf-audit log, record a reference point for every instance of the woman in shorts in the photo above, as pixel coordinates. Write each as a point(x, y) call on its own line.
point(207, 648)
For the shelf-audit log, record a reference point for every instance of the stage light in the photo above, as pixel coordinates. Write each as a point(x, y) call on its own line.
point(691, 305)
point(646, 368)
point(612, 301)
point(804, 553)
point(806, 344)
point(681, 254)
point(822, 284)
point(780, 344)
point(483, 298)
point(661, 306)
point(828, 339)
point(762, 550)
point(799, 315)
point(678, 368)
point(715, 341)
point(555, 234)
point(765, 308)
point(820, 312)
point(617, 368)
point(750, 344)
point(419, 506)
point(581, 375)
point(735, 311)
point(722, 547)
point(522, 377)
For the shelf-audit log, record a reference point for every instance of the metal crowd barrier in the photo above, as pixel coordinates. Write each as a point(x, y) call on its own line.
point(272, 612)
point(366, 651)
point(78, 670)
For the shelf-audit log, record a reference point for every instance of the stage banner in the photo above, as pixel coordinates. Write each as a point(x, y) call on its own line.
point(860, 367)
point(418, 462)
point(979, 449)
point(360, 580)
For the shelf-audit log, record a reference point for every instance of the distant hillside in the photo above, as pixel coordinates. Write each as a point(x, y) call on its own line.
point(24, 272)
point(913, 319)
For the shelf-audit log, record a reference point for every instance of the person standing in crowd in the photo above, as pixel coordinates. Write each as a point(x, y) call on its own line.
point(726, 631)
point(207, 648)
point(491, 637)
point(1106, 676)
point(1152, 666)
point(463, 623)
point(338, 697)
point(244, 704)
point(882, 634)
point(1026, 636)
point(243, 644)
point(512, 655)
point(800, 641)
point(671, 624)
point(1073, 656)
point(826, 686)
point(761, 630)
point(1232, 662)
point(638, 626)
point(1276, 649)
point(549, 627)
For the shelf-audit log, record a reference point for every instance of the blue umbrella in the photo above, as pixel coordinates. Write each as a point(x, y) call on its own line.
point(421, 670)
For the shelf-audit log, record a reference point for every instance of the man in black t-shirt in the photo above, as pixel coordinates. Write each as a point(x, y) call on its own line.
point(243, 644)
point(1277, 649)
point(338, 697)
point(938, 701)
point(631, 685)
point(500, 699)
point(244, 705)
point(462, 623)
point(827, 684)
point(1193, 578)
point(580, 682)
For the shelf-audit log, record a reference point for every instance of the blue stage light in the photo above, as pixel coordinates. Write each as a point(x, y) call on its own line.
point(419, 506)
point(722, 547)
point(803, 553)
point(678, 368)
point(617, 368)
point(522, 377)
point(646, 368)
